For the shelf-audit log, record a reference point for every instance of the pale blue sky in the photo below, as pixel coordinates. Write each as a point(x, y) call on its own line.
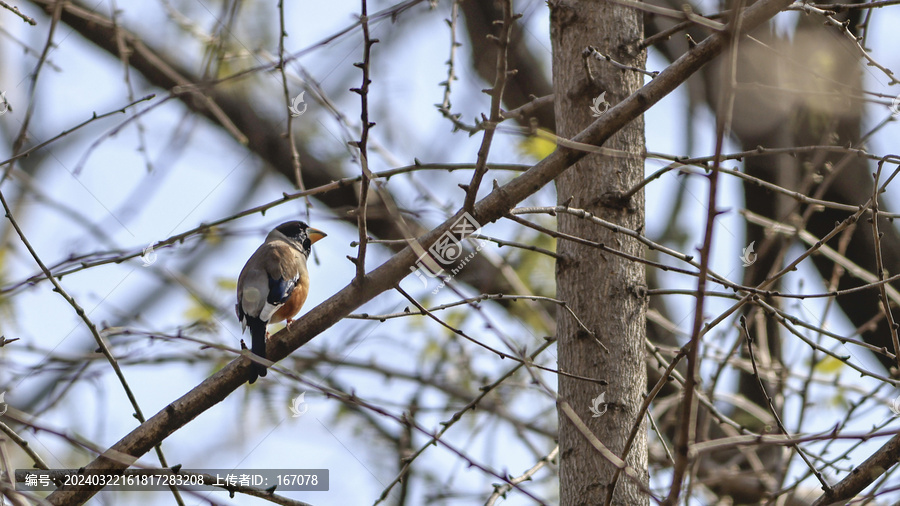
point(113, 189)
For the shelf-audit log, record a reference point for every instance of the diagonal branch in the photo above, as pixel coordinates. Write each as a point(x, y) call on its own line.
point(863, 475)
point(218, 386)
point(259, 134)
point(102, 346)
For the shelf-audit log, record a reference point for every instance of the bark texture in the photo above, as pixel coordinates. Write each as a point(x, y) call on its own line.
point(606, 291)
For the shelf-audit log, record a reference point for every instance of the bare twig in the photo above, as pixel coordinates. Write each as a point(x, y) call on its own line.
point(485, 390)
point(842, 27)
point(64, 133)
point(863, 475)
point(775, 410)
point(687, 430)
point(362, 144)
point(501, 490)
point(233, 375)
point(496, 92)
point(15, 10)
point(686, 14)
point(295, 154)
point(87, 321)
point(879, 266)
point(592, 52)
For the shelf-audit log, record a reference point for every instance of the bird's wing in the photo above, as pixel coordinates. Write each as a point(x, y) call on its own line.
point(253, 289)
point(273, 273)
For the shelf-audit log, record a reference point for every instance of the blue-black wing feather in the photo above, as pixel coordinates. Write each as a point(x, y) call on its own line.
point(280, 290)
point(258, 345)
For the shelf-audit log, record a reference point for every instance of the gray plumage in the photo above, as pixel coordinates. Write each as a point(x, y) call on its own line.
point(274, 283)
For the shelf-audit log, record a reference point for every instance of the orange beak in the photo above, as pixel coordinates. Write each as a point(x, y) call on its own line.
point(315, 235)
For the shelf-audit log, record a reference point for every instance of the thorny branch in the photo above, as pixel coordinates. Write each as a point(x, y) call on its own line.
point(836, 345)
point(362, 145)
point(496, 92)
point(232, 376)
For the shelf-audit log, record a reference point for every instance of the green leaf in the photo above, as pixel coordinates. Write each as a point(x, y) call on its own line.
point(537, 146)
point(829, 365)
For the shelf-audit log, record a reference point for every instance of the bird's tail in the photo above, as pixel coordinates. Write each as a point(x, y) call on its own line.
point(258, 347)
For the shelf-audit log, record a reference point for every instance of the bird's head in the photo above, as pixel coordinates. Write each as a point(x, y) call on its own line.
point(300, 234)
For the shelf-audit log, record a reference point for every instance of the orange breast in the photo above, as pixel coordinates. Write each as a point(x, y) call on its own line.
point(292, 306)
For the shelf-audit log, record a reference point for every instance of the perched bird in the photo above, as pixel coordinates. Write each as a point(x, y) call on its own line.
point(274, 283)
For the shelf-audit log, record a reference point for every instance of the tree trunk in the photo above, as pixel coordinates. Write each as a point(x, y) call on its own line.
point(606, 291)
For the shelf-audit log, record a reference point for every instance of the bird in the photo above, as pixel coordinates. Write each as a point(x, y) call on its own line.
point(274, 283)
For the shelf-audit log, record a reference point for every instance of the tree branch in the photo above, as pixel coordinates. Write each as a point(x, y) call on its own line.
point(218, 386)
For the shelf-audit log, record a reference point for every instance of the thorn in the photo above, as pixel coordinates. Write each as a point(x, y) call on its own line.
point(691, 42)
